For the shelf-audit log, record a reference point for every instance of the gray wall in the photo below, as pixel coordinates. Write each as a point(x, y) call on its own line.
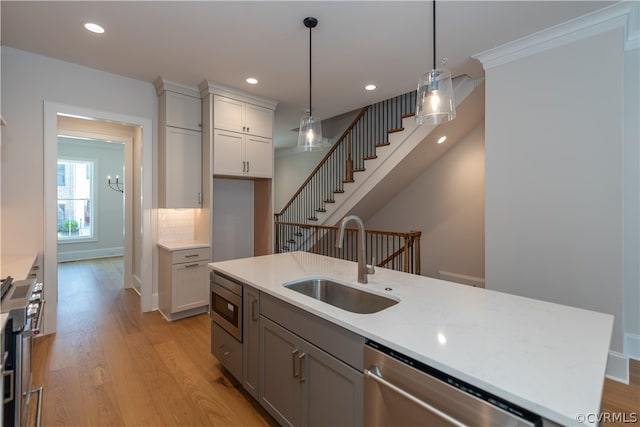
point(446, 203)
point(108, 204)
point(554, 200)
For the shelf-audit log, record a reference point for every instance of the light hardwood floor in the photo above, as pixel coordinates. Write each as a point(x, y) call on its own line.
point(110, 365)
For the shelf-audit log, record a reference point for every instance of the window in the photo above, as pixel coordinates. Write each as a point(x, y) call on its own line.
point(75, 193)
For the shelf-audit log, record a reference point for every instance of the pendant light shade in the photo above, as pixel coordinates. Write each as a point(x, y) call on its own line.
point(434, 101)
point(310, 131)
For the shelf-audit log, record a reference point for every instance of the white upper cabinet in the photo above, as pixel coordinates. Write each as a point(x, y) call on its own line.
point(237, 116)
point(183, 111)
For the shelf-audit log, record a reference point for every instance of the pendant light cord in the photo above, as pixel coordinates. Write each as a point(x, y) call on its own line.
point(310, 115)
point(434, 34)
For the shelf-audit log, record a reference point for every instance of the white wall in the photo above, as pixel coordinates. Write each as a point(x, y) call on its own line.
point(631, 225)
point(554, 199)
point(108, 204)
point(446, 203)
point(290, 170)
point(31, 84)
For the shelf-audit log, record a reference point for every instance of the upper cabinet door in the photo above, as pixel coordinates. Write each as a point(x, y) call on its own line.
point(228, 114)
point(258, 121)
point(183, 111)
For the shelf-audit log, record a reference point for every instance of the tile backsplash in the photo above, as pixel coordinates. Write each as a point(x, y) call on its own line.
point(175, 224)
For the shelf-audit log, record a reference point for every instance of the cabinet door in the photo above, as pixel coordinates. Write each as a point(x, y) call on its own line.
point(228, 114)
point(228, 156)
point(258, 121)
point(189, 286)
point(279, 372)
point(251, 341)
point(332, 393)
point(183, 167)
point(183, 111)
point(259, 156)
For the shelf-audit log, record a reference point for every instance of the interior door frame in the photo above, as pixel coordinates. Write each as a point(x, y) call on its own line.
point(50, 126)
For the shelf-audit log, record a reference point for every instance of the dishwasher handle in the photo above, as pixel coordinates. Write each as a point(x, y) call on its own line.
point(374, 373)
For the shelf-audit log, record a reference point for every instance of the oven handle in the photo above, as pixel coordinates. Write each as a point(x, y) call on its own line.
point(39, 391)
point(375, 374)
point(36, 330)
point(9, 374)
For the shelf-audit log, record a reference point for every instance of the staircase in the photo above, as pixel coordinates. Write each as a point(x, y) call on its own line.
point(375, 143)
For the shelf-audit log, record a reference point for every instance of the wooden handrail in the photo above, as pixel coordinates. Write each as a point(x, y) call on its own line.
point(410, 234)
point(324, 159)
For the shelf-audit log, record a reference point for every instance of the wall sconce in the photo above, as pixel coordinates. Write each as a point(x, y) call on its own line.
point(115, 186)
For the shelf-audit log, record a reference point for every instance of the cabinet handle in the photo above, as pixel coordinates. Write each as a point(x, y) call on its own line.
point(254, 311)
point(302, 356)
point(190, 255)
point(247, 128)
point(244, 167)
point(244, 128)
point(191, 265)
point(293, 363)
point(247, 166)
point(227, 352)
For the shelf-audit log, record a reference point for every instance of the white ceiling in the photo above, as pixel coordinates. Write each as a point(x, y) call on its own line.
point(356, 42)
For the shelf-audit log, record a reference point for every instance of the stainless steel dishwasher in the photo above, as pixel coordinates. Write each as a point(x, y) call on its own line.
point(401, 391)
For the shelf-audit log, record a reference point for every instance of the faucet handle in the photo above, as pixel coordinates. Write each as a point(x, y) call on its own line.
point(371, 269)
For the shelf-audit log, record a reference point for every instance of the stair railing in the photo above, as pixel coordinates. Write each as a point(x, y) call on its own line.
point(395, 250)
point(347, 156)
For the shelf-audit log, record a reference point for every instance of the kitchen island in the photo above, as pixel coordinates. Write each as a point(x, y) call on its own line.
point(548, 358)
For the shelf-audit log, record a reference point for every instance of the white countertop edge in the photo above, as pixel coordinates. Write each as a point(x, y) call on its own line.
point(176, 245)
point(333, 315)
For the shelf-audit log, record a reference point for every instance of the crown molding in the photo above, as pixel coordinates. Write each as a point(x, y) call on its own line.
point(620, 15)
point(210, 88)
point(161, 85)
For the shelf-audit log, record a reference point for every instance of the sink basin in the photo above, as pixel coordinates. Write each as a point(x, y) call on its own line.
point(341, 296)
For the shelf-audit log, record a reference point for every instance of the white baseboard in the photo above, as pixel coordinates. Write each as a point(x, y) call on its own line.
point(632, 345)
point(478, 282)
point(618, 367)
point(90, 254)
point(154, 302)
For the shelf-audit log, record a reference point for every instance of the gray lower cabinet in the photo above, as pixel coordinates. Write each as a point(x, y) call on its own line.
point(251, 341)
point(302, 385)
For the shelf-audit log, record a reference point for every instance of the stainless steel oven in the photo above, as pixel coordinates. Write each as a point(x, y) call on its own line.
point(23, 302)
point(226, 304)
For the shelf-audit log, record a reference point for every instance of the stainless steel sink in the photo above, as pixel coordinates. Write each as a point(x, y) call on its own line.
point(341, 296)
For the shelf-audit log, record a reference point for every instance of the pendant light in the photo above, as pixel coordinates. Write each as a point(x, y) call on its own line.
point(434, 101)
point(310, 133)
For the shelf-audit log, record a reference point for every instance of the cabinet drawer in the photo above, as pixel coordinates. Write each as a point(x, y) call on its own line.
point(189, 255)
point(227, 350)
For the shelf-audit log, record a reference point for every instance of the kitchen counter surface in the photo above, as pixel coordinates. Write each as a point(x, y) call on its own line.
point(545, 357)
point(17, 266)
point(182, 244)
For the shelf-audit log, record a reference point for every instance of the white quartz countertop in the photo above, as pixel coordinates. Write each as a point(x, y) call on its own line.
point(182, 244)
point(17, 266)
point(547, 358)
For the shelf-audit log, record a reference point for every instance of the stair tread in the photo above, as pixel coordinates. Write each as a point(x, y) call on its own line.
point(312, 218)
point(406, 116)
point(329, 201)
point(347, 180)
point(321, 210)
point(359, 169)
point(370, 157)
point(395, 130)
point(382, 144)
point(338, 191)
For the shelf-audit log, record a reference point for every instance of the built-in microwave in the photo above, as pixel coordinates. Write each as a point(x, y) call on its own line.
point(226, 304)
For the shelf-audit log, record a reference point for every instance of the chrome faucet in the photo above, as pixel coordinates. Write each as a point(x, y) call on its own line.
point(363, 268)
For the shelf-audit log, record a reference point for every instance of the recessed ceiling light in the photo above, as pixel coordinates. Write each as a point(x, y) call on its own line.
point(370, 87)
point(93, 27)
point(252, 81)
point(442, 139)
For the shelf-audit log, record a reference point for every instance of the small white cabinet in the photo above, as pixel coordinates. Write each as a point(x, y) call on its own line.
point(179, 146)
point(183, 289)
point(237, 116)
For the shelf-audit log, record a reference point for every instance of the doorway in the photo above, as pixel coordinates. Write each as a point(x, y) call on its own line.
point(83, 122)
